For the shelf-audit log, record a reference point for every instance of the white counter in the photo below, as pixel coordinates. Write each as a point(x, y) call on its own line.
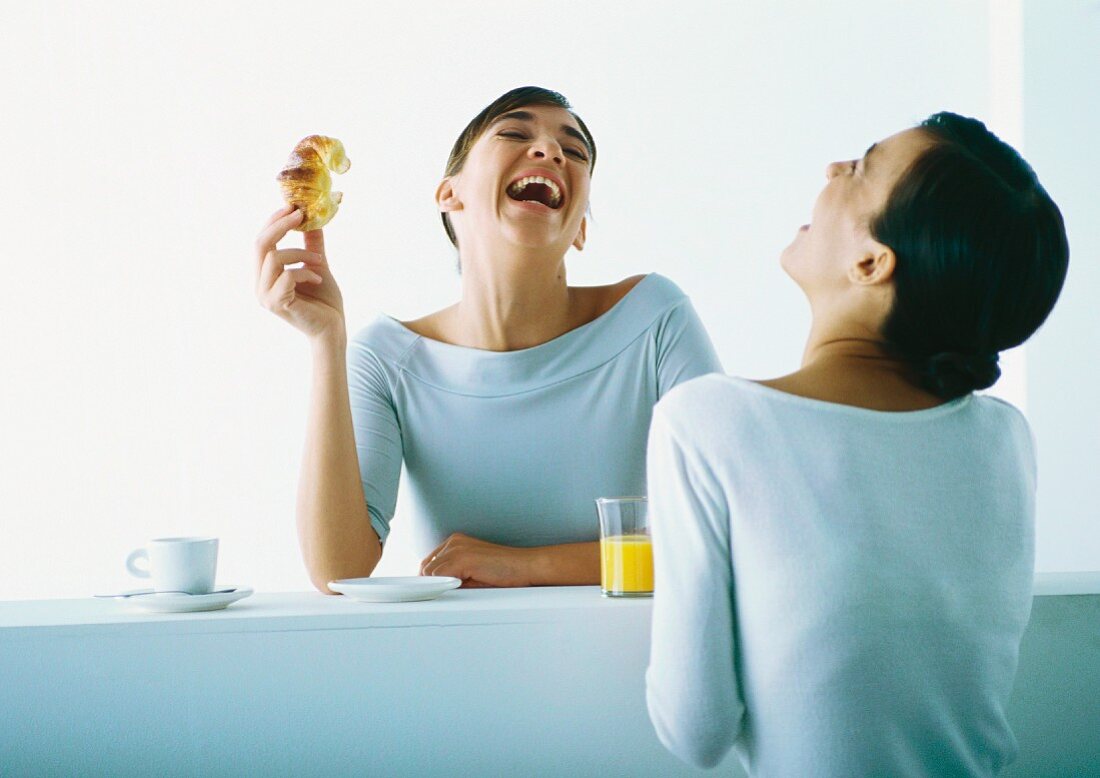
point(484, 682)
point(545, 681)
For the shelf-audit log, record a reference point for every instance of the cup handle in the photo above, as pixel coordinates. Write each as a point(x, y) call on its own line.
point(140, 572)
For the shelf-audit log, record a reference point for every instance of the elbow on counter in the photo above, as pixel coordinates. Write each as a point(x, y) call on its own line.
point(700, 746)
point(322, 571)
point(321, 578)
point(322, 586)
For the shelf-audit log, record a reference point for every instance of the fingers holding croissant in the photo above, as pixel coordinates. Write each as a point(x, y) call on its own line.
point(305, 181)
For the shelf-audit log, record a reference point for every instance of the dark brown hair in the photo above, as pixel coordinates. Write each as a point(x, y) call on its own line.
point(981, 251)
point(509, 101)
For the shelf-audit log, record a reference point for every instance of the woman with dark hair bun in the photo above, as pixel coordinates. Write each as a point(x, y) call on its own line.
point(844, 555)
point(982, 256)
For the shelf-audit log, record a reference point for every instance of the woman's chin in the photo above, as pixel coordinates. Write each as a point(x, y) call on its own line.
point(531, 236)
point(795, 271)
point(786, 259)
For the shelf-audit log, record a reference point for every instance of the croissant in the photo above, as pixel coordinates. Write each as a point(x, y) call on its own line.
point(306, 183)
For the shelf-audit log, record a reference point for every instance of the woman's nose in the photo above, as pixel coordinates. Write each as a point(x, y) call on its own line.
point(545, 148)
point(833, 168)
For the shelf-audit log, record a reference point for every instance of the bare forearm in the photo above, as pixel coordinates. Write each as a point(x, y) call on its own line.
point(569, 564)
point(334, 528)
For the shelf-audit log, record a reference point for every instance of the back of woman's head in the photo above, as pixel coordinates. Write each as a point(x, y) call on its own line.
point(981, 255)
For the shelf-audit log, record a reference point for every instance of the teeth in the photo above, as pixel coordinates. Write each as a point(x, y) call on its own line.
point(555, 192)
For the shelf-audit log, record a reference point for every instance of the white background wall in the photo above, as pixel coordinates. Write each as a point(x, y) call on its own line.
point(146, 393)
point(1062, 138)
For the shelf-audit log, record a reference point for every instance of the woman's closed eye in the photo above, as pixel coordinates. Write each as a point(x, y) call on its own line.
point(517, 135)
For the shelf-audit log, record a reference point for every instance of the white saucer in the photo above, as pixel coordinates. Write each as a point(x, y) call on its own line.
point(408, 588)
point(173, 602)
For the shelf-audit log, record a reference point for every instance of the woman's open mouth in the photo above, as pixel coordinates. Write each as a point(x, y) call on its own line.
point(539, 189)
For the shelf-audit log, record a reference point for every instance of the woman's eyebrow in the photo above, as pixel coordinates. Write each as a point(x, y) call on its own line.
point(574, 133)
point(867, 156)
point(523, 116)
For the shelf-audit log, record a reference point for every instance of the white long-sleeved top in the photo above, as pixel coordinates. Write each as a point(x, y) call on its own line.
point(839, 591)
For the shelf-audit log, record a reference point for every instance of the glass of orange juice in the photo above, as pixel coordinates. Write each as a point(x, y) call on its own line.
point(626, 553)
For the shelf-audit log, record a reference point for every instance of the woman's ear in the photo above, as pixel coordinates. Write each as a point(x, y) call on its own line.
point(446, 198)
point(875, 267)
point(578, 242)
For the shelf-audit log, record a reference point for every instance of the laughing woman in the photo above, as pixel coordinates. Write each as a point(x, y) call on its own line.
point(843, 556)
point(512, 409)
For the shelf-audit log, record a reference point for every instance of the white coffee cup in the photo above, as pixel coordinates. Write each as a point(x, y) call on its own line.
point(177, 564)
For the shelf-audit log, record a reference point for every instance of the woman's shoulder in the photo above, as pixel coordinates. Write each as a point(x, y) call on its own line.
point(383, 337)
point(433, 325)
point(610, 294)
point(848, 388)
point(717, 399)
point(589, 303)
point(706, 396)
point(639, 296)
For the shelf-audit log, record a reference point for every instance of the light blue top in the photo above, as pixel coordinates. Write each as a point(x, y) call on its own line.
point(513, 447)
point(839, 591)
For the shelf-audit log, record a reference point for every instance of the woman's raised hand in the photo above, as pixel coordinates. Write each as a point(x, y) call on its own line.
point(308, 296)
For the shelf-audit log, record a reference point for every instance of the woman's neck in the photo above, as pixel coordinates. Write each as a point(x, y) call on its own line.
point(850, 365)
point(848, 349)
point(846, 337)
point(512, 300)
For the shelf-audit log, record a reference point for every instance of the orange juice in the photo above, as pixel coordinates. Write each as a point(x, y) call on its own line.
point(626, 565)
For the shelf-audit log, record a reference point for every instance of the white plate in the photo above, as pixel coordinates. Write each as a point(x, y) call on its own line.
point(172, 602)
point(408, 588)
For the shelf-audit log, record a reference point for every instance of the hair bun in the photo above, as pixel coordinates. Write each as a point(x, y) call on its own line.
point(950, 374)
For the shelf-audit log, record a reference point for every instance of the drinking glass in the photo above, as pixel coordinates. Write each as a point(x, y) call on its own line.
point(626, 553)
